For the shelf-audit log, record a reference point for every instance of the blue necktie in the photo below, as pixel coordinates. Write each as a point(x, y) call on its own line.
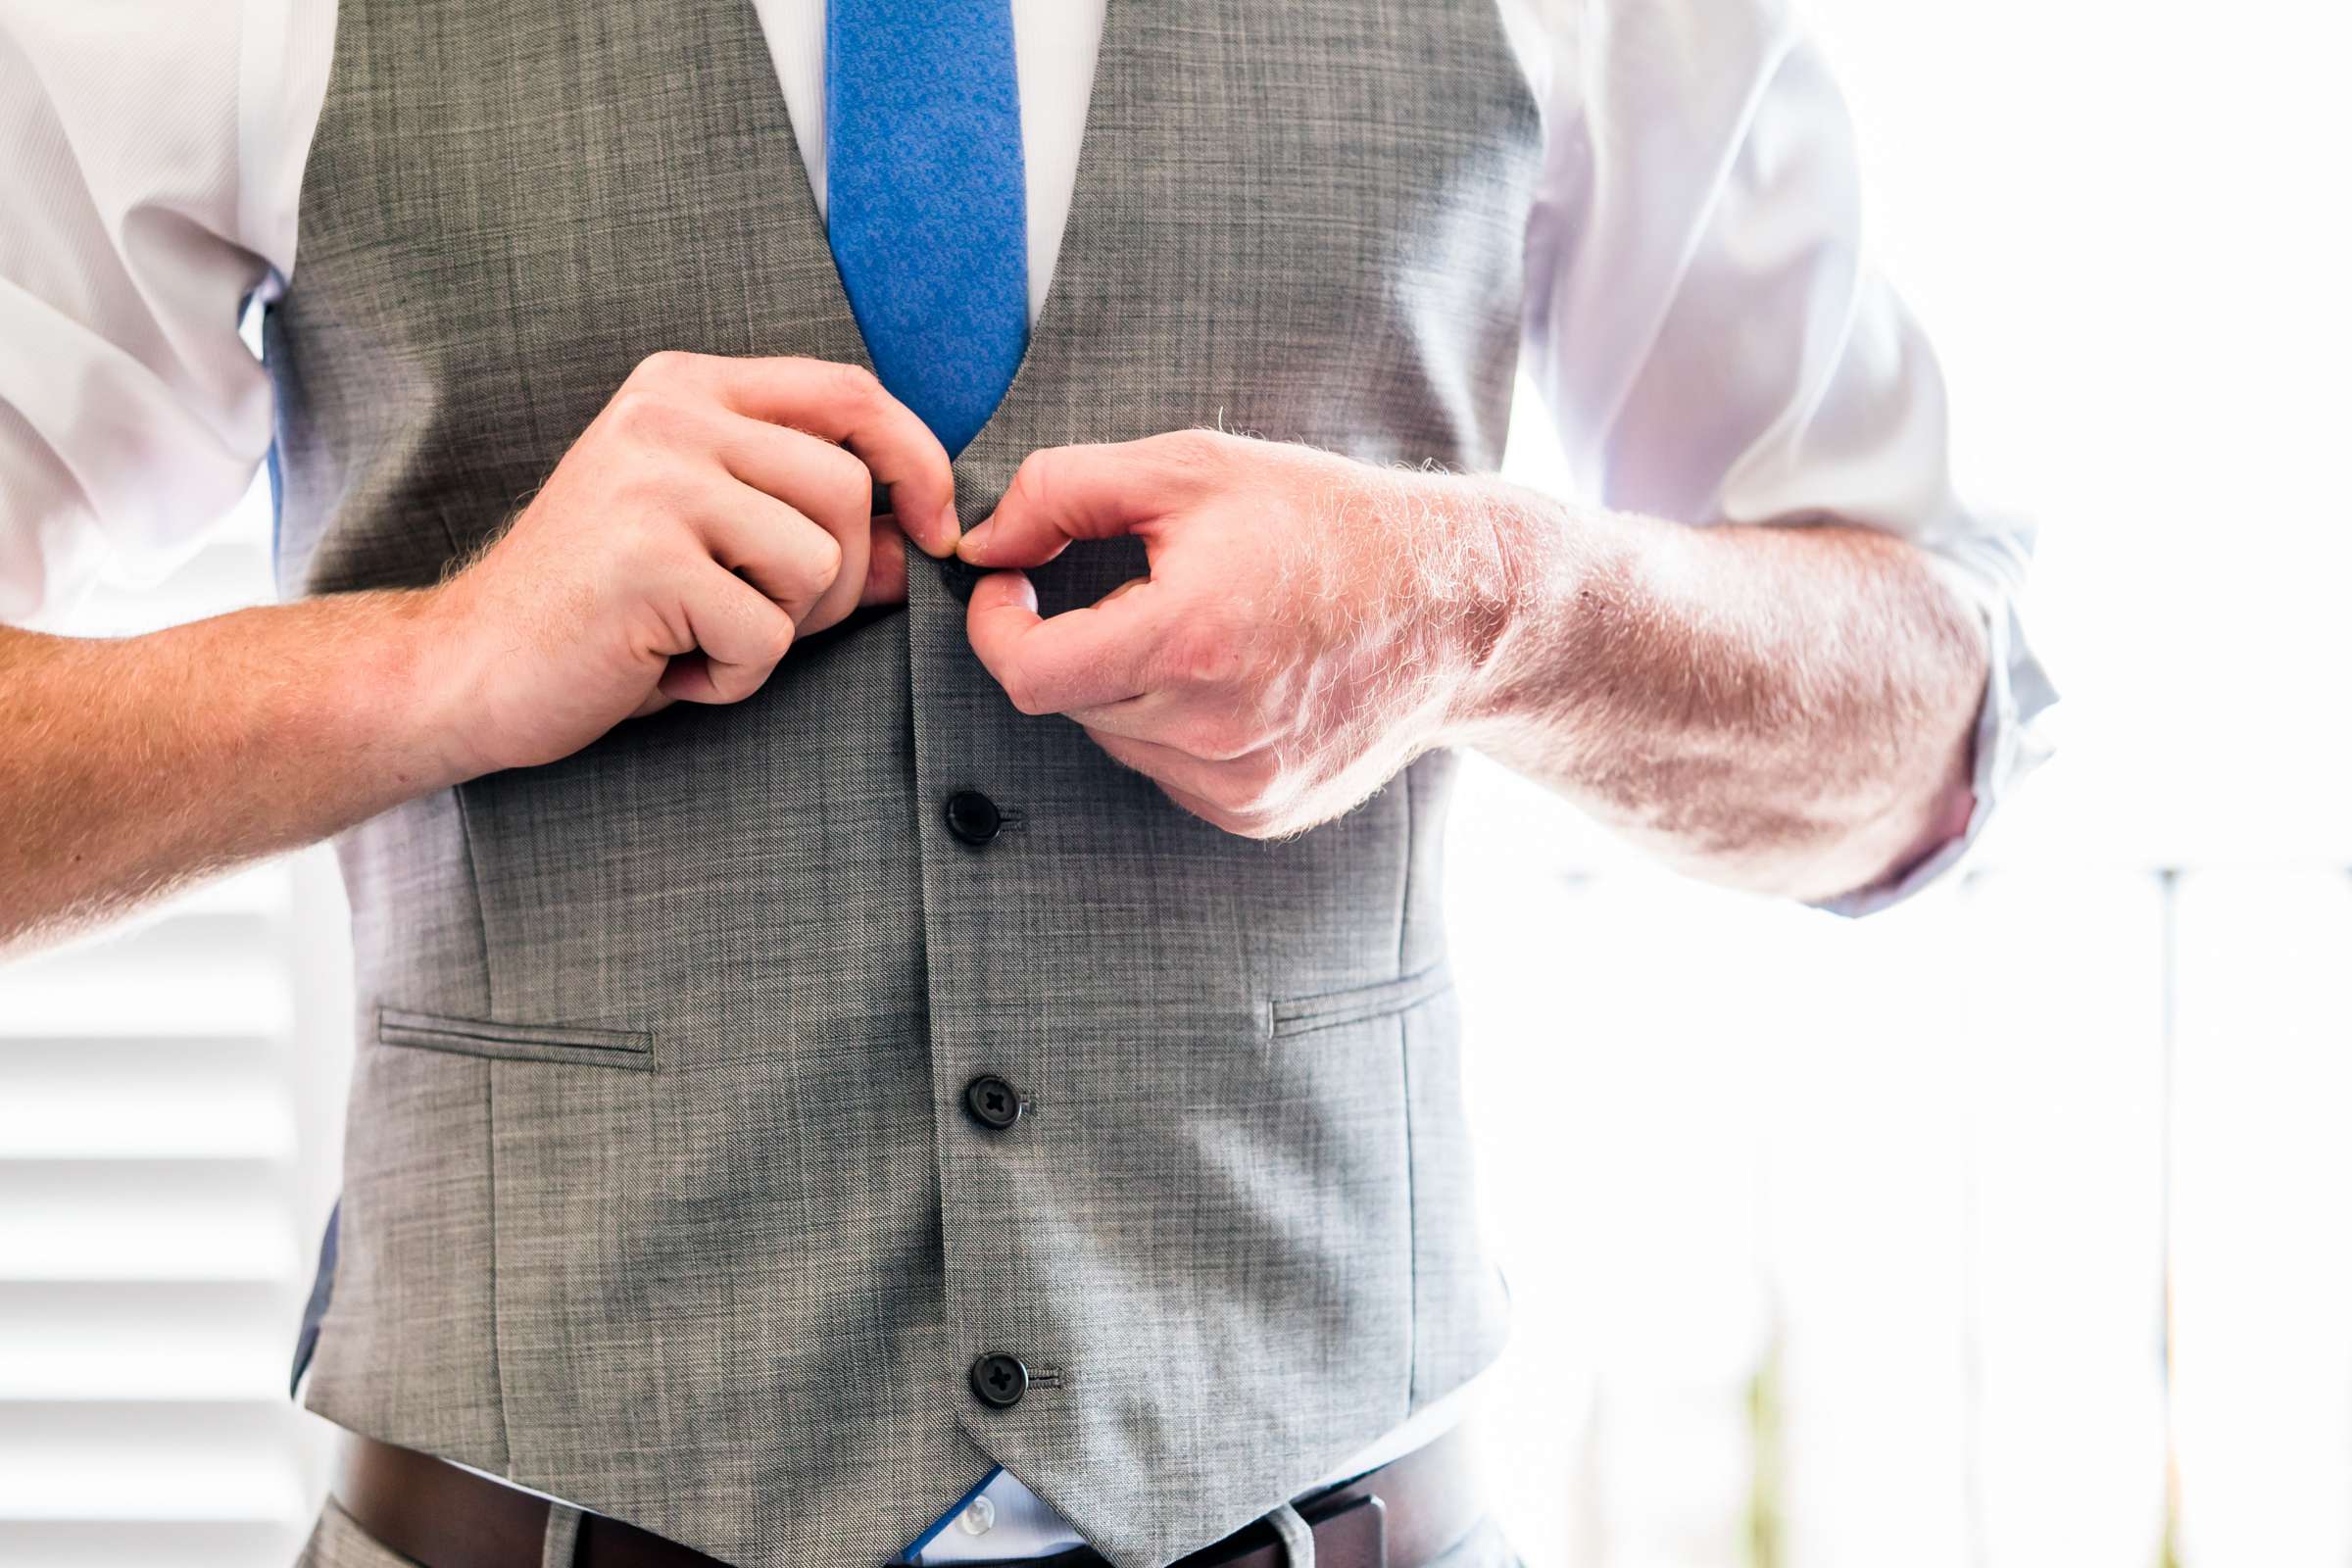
point(924, 201)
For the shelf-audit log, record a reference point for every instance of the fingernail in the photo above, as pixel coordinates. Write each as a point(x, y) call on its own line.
point(949, 527)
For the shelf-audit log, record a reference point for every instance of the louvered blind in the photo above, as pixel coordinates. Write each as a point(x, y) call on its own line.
point(166, 1144)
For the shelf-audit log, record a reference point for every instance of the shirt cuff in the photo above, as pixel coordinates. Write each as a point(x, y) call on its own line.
point(2008, 746)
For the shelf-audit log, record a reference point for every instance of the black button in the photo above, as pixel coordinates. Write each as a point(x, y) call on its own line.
point(959, 577)
point(999, 1380)
point(992, 1101)
point(973, 817)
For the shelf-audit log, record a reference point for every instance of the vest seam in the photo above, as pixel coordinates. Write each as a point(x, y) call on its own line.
point(498, 1377)
point(481, 931)
point(1404, 1073)
point(1404, 880)
point(481, 911)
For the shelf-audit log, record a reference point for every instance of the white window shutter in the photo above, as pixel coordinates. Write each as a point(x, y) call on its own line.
point(167, 1104)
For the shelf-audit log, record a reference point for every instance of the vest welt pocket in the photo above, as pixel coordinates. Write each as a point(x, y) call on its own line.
point(515, 1042)
point(1298, 1015)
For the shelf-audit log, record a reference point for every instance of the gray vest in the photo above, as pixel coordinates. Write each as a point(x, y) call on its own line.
point(661, 1194)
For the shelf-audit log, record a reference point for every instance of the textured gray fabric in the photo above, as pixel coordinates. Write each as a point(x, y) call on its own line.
point(658, 1195)
point(337, 1541)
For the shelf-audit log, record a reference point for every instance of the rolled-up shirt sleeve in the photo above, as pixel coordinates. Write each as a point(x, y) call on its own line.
point(1715, 348)
point(132, 415)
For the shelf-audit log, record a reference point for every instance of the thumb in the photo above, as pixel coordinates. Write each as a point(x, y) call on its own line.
point(1063, 493)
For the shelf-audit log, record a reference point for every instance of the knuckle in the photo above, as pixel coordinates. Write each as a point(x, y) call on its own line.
point(849, 484)
point(1232, 794)
point(638, 545)
point(662, 367)
point(1238, 806)
point(654, 539)
point(1195, 448)
point(1021, 690)
point(1261, 774)
point(1255, 809)
point(1029, 481)
point(853, 384)
point(778, 642)
point(641, 413)
point(1247, 787)
point(1203, 654)
point(1214, 737)
point(824, 558)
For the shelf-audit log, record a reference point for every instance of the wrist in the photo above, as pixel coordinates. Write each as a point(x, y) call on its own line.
point(1511, 625)
point(411, 675)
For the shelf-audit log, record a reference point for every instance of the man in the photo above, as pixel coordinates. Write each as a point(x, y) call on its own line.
point(946, 1052)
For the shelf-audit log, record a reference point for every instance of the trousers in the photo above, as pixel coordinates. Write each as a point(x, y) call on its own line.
point(337, 1541)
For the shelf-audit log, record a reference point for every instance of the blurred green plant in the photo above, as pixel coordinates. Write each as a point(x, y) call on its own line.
point(1767, 1546)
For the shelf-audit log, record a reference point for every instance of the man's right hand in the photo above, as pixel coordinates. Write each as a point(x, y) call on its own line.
point(706, 519)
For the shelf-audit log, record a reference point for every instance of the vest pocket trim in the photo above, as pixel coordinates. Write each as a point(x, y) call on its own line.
point(1298, 1015)
point(515, 1042)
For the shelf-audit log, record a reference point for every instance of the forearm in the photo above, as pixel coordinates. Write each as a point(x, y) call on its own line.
point(1790, 710)
point(648, 569)
point(131, 765)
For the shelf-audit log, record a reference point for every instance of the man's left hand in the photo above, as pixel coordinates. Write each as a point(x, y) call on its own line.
point(1309, 624)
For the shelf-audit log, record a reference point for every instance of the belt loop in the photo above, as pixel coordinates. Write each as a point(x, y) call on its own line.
point(1297, 1537)
point(562, 1543)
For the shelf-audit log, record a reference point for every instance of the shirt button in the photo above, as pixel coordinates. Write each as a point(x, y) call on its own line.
point(992, 1101)
point(999, 1380)
point(973, 817)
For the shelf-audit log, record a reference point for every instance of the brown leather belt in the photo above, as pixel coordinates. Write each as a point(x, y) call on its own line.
point(1403, 1515)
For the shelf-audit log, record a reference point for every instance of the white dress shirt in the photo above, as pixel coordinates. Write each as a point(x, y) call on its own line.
point(1699, 315)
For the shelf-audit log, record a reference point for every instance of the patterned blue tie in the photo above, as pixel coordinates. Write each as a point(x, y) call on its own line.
point(924, 201)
